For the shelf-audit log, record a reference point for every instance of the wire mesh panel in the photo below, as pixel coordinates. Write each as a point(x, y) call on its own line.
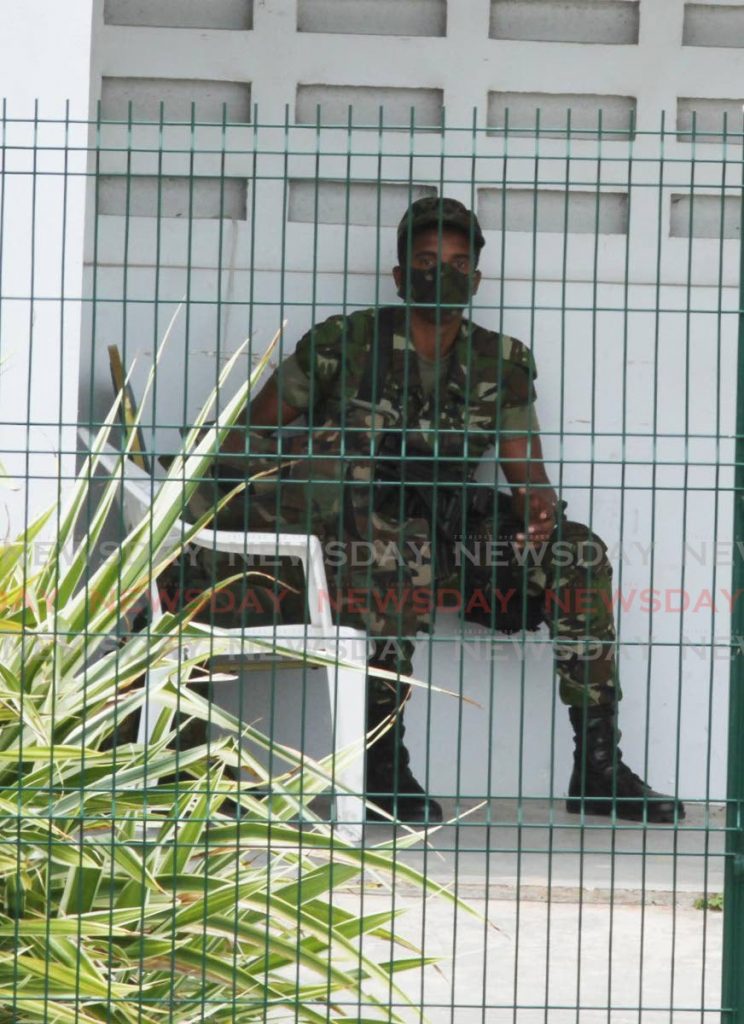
point(383, 433)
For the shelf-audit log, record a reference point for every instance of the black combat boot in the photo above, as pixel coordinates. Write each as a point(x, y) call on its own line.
point(390, 782)
point(601, 783)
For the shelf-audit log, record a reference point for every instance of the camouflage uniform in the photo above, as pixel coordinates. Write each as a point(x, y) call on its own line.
point(391, 480)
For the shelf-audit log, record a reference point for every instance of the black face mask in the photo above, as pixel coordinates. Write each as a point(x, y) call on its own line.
point(443, 282)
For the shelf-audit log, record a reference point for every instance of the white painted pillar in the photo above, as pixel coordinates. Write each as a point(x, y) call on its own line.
point(45, 78)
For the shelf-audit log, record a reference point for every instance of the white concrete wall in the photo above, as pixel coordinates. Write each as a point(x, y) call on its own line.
point(632, 345)
point(45, 64)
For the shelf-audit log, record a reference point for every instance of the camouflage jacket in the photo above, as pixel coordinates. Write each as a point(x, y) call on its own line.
point(357, 452)
point(399, 432)
point(487, 387)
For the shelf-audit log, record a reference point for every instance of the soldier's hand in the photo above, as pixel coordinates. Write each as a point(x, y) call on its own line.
point(535, 507)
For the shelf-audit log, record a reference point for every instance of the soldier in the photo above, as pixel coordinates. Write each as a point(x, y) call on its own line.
point(401, 404)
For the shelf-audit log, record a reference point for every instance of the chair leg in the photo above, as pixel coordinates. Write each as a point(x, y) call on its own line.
point(348, 697)
point(189, 734)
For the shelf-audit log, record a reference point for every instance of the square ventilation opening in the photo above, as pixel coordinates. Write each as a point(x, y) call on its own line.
point(369, 204)
point(220, 14)
point(172, 197)
point(566, 21)
point(210, 100)
point(618, 114)
point(398, 106)
point(553, 211)
point(373, 17)
point(713, 25)
point(708, 120)
point(705, 216)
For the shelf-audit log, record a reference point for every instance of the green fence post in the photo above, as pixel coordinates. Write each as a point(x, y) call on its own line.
point(733, 925)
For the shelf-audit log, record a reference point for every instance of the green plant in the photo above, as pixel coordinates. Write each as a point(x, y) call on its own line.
point(712, 902)
point(126, 901)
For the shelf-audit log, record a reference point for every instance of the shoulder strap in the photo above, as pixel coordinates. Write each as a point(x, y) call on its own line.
point(379, 356)
point(371, 386)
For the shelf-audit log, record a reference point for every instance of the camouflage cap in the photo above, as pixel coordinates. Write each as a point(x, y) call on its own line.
point(435, 212)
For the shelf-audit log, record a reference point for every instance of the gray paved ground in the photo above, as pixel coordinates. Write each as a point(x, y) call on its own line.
point(597, 925)
point(537, 961)
point(536, 846)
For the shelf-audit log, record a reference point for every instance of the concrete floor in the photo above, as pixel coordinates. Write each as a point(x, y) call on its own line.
point(575, 924)
point(559, 962)
point(537, 846)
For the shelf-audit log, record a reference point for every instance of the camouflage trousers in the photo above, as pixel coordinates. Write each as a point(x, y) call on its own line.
point(565, 583)
point(393, 584)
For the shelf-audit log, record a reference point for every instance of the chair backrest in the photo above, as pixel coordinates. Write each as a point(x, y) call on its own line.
point(138, 490)
point(138, 486)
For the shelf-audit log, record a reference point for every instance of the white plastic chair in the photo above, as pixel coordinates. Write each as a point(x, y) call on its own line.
point(346, 685)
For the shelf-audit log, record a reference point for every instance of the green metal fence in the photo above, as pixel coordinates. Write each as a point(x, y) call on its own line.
point(157, 866)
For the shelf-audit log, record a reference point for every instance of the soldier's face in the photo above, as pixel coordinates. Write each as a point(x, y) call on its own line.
point(441, 272)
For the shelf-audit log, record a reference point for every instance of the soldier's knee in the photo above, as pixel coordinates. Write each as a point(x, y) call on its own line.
point(580, 546)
